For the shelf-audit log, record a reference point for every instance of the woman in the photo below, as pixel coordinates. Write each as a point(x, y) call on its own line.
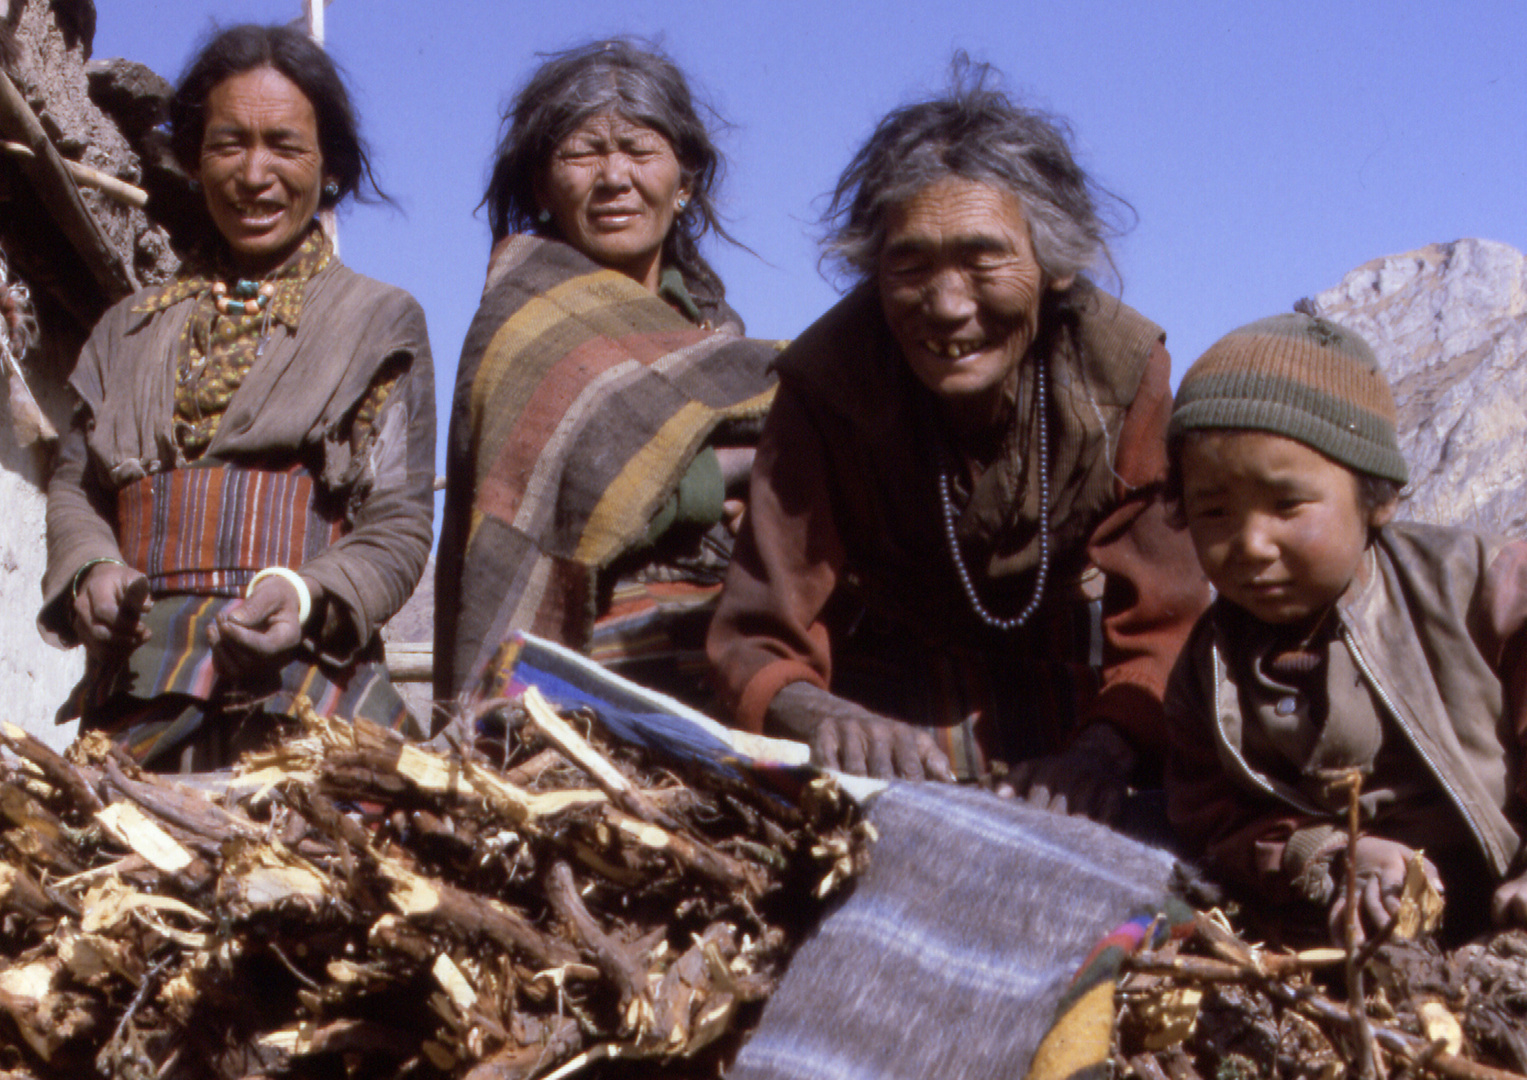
point(605, 400)
point(954, 552)
point(245, 494)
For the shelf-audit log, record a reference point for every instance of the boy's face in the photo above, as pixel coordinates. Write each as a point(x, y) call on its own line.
point(1279, 528)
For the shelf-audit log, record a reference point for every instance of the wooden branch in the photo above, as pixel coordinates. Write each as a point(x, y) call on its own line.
point(456, 912)
point(55, 768)
point(616, 961)
point(55, 186)
point(120, 190)
point(561, 734)
point(182, 807)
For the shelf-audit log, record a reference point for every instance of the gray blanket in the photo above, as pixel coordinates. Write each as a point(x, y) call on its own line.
point(950, 955)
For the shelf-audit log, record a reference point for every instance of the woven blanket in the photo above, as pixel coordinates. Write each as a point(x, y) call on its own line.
point(581, 399)
point(960, 947)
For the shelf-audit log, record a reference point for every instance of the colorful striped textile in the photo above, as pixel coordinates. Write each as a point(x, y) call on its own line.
point(581, 399)
point(654, 634)
point(953, 951)
point(964, 695)
point(1079, 1041)
point(637, 714)
point(165, 690)
point(209, 529)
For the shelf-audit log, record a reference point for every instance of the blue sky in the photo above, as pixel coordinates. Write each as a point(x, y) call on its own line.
point(1267, 148)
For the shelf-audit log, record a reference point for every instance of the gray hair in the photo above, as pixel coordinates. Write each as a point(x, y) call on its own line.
point(632, 80)
point(974, 133)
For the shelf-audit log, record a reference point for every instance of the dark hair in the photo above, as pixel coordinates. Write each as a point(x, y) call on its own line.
point(976, 133)
point(1372, 491)
point(237, 49)
point(635, 81)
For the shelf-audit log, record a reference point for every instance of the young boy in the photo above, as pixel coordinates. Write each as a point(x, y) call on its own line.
point(1338, 639)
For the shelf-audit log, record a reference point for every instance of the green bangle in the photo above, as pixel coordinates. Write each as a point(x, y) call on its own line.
point(79, 575)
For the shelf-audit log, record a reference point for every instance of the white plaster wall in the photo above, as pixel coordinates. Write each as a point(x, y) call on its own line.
point(34, 676)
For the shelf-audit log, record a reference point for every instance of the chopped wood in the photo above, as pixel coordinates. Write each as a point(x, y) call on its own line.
point(350, 902)
point(1281, 1015)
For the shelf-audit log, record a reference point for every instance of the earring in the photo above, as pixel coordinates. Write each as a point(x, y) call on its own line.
point(544, 216)
point(683, 202)
point(195, 185)
point(331, 190)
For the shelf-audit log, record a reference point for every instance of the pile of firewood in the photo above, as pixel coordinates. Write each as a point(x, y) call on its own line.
point(1211, 1006)
point(352, 904)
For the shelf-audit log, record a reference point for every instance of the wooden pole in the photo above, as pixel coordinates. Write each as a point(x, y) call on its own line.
point(56, 189)
point(313, 11)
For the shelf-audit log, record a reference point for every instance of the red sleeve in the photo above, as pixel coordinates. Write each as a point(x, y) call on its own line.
point(767, 632)
point(1154, 588)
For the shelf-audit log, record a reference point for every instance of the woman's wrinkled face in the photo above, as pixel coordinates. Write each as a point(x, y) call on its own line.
point(1279, 528)
point(261, 169)
point(961, 290)
point(613, 188)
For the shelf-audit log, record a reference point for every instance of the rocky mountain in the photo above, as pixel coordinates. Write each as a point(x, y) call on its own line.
point(1449, 324)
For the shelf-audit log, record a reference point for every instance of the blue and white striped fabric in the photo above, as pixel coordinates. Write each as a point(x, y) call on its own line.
point(949, 957)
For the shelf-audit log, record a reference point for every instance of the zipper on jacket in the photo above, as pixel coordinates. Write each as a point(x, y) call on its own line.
point(1383, 695)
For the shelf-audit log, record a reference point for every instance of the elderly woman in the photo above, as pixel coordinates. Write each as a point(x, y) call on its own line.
point(606, 402)
point(955, 552)
point(245, 494)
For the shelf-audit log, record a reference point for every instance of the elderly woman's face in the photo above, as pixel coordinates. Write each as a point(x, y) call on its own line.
point(613, 189)
point(261, 169)
point(961, 291)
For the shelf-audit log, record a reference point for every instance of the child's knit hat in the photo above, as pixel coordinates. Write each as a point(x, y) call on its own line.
point(1304, 378)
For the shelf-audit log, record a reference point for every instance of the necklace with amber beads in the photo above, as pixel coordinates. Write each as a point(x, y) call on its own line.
point(248, 297)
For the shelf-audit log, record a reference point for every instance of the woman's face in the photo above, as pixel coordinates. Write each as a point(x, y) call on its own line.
point(613, 189)
point(261, 169)
point(961, 291)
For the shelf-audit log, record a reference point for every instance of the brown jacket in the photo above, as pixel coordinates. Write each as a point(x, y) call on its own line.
point(297, 400)
point(1437, 631)
point(844, 499)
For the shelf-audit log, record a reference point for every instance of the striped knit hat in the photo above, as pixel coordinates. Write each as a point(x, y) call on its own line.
point(1304, 378)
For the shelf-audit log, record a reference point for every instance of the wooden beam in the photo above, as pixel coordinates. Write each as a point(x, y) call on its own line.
point(58, 192)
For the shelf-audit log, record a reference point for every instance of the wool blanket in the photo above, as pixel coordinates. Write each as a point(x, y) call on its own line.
point(984, 940)
point(957, 954)
point(581, 399)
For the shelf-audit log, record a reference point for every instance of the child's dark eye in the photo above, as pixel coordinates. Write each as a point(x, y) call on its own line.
point(1289, 505)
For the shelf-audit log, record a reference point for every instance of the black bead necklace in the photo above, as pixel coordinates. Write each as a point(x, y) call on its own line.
point(1043, 574)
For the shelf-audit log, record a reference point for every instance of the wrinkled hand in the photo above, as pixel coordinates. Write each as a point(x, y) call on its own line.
point(257, 633)
point(1380, 867)
point(852, 739)
point(1508, 907)
point(1089, 779)
point(107, 609)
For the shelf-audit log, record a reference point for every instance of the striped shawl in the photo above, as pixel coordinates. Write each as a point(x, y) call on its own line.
point(581, 399)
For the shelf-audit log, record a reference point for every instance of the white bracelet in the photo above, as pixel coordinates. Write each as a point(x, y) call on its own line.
point(304, 597)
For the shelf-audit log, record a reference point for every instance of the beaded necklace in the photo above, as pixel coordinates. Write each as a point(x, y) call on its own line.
point(250, 297)
point(1043, 574)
